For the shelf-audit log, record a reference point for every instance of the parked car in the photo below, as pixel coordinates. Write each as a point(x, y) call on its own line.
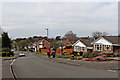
point(22, 54)
point(98, 58)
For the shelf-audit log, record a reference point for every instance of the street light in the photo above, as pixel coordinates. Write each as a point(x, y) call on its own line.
point(47, 32)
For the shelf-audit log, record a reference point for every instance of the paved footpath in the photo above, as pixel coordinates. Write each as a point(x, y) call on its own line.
point(6, 73)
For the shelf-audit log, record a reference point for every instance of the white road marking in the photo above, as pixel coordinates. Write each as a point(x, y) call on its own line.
point(12, 62)
point(13, 74)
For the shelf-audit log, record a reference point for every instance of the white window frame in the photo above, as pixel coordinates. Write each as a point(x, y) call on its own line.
point(29, 47)
point(33, 45)
point(83, 49)
point(105, 47)
point(40, 44)
point(77, 48)
point(96, 48)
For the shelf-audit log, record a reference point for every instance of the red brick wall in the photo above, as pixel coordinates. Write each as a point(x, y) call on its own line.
point(46, 44)
point(102, 47)
point(93, 47)
point(68, 51)
point(67, 44)
point(116, 48)
point(105, 52)
point(58, 51)
point(44, 50)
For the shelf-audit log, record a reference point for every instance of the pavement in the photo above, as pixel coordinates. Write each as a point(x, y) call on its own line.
point(5, 68)
point(38, 66)
point(103, 65)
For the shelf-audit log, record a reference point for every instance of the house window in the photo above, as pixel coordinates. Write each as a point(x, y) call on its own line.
point(98, 47)
point(33, 45)
point(40, 44)
point(43, 44)
point(82, 48)
point(77, 48)
point(107, 47)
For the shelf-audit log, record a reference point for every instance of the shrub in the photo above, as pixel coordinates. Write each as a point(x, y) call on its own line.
point(109, 54)
point(5, 49)
point(3, 54)
point(59, 56)
point(67, 56)
point(78, 57)
point(115, 54)
point(86, 55)
point(22, 49)
point(64, 51)
point(12, 53)
point(91, 55)
point(72, 58)
point(7, 52)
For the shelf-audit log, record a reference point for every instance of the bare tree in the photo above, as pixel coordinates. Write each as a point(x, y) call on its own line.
point(98, 34)
point(104, 34)
point(23, 43)
point(69, 35)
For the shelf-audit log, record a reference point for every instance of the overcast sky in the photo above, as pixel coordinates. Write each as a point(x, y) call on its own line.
point(25, 19)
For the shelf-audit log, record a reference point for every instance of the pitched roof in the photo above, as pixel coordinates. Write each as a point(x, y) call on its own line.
point(42, 41)
point(113, 39)
point(71, 40)
point(67, 43)
point(87, 42)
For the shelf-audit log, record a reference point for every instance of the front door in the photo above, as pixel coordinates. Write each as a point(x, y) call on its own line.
point(81, 53)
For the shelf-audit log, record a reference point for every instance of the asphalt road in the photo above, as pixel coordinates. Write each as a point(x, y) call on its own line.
point(32, 66)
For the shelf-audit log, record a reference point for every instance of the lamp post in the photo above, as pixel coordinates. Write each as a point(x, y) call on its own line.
point(47, 32)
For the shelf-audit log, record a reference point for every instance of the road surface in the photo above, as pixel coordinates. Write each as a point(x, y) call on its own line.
point(33, 66)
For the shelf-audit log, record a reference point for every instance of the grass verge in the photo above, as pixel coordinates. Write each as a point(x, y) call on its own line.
point(44, 54)
point(7, 57)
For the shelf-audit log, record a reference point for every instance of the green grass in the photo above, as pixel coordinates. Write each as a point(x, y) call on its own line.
point(44, 54)
point(6, 57)
point(67, 56)
point(78, 57)
point(61, 56)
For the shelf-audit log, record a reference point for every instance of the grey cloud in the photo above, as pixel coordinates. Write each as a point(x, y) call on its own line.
point(60, 17)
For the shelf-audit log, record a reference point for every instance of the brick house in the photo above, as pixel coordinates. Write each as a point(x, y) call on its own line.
point(82, 46)
point(107, 44)
point(42, 44)
point(67, 44)
point(33, 46)
point(67, 48)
